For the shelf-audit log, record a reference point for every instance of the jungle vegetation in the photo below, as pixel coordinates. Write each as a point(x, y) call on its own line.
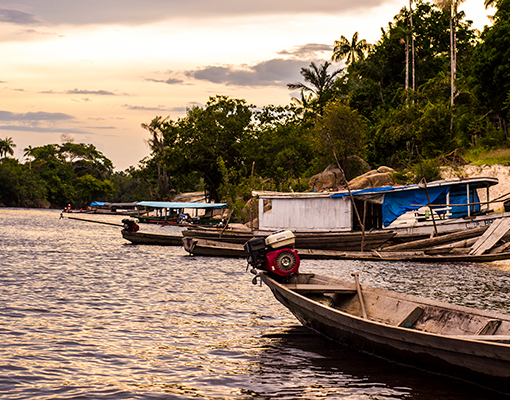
point(431, 82)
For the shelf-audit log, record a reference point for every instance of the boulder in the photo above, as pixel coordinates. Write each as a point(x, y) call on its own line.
point(372, 180)
point(330, 178)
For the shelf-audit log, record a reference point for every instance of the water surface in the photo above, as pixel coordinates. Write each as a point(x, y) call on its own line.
point(84, 314)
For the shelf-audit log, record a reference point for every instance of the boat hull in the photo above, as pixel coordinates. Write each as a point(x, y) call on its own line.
point(152, 238)
point(341, 241)
point(448, 354)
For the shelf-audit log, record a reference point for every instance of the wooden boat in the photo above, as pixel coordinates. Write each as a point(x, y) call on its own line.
point(212, 248)
point(345, 241)
point(411, 211)
point(444, 338)
point(152, 238)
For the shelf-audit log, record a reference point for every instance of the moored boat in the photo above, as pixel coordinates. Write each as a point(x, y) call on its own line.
point(152, 238)
point(445, 338)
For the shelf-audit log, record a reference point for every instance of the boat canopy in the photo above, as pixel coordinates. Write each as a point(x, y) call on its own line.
point(450, 197)
point(179, 205)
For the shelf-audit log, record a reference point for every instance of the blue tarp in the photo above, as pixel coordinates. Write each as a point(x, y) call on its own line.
point(412, 197)
point(97, 204)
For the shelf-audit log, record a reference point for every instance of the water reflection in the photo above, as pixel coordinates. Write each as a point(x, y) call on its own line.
point(85, 314)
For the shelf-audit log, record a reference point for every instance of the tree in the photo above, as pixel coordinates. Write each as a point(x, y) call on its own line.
point(6, 147)
point(156, 142)
point(210, 136)
point(346, 129)
point(491, 65)
point(451, 6)
point(352, 51)
point(319, 82)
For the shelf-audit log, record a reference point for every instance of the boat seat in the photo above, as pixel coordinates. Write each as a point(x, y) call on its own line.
point(490, 327)
point(410, 320)
point(312, 288)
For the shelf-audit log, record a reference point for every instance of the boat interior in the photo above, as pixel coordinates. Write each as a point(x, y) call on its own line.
point(402, 310)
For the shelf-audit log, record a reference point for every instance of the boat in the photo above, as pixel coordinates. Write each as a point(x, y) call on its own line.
point(212, 248)
point(152, 238)
point(180, 213)
point(344, 241)
point(458, 341)
point(411, 211)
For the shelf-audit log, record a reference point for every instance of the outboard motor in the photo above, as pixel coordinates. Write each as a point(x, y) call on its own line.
point(131, 224)
point(274, 253)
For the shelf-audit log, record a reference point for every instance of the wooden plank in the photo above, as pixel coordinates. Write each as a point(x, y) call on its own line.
point(410, 320)
point(420, 244)
point(485, 338)
point(496, 231)
point(490, 327)
point(316, 288)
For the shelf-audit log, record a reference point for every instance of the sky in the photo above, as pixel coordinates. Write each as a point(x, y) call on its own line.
point(95, 70)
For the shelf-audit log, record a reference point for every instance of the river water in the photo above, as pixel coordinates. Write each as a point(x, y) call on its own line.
point(84, 314)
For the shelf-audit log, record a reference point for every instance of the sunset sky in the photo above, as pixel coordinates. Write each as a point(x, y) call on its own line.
point(96, 70)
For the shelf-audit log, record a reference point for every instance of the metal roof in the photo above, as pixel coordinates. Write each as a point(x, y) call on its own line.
point(179, 205)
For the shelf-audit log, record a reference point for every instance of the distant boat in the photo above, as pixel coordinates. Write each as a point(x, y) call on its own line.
point(444, 338)
point(180, 213)
point(152, 238)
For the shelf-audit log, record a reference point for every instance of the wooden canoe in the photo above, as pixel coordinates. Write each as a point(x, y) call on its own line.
point(345, 241)
point(444, 338)
point(213, 248)
point(152, 238)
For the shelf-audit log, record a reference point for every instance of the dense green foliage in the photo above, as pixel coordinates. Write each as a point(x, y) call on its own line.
point(392, 99)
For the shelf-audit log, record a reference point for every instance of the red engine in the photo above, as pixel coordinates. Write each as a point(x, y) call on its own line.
point(273, 253)
point(282, 262)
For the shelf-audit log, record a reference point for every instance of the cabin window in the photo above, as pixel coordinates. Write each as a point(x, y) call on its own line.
point(370, 214)
point(268, 206)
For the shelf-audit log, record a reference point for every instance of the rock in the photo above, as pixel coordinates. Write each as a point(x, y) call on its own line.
point(331, 178)
point(372, 180)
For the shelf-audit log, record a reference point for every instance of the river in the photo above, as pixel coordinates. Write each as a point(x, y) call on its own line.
point(84, 314)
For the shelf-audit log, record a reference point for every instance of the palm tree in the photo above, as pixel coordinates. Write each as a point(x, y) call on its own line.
point(29, 153)
point(402, 34)
point(6, 147)
point(156, 143)
point(451, 7)
point(320, 83)
point(413, 74)
point(353, 50)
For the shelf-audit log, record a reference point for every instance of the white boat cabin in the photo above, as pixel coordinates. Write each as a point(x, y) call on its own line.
point(391, 207)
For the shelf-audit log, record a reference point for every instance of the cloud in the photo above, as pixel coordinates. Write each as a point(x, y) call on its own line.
point(96, 92)
point(136, 12)
point(161, 109)
point(307, 51)
point(18, 17)
point(276, 72)
point(33, 116)
point(169, 81)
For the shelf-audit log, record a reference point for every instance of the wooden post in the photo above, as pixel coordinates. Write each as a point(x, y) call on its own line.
point(360, 295)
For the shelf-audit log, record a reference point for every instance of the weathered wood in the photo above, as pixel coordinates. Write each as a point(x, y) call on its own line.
point(490, 327)
point(491, 236)
point(310, 288)
point(500, 249)
point(423, 243)
point(360, 295)
point(410, 320)
point(444, 338)
point(458, 244)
